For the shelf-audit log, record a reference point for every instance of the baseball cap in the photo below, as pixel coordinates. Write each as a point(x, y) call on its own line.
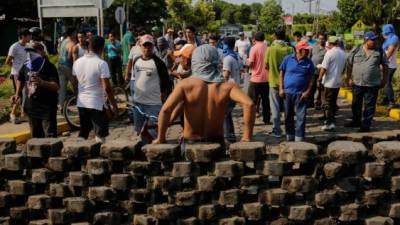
point(333, 39)
point(370, 36)
point(156, 29)
point(241, 33)
point(303, 45)
point(186, 51)
point(146, 39)
point(309, 33)
point(34, 47)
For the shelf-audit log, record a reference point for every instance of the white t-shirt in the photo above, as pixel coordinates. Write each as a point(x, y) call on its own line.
point(242, 47)
point(17, 51)
point(135, 52)
point(147, 83)
point(89, 70)
point(334, 62)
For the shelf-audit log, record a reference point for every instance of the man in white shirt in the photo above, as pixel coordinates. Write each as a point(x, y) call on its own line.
point(17, 56)
point(331, 71)
point(93, 78)
point(242, 46)
point(152, 84)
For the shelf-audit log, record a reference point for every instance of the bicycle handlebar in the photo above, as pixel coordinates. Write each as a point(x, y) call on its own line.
point(144, 114)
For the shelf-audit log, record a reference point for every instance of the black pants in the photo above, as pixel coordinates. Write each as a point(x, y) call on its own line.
point(366, 96)
point(93, 119)
point(262, 90)
point(116, 71)
point(43, 128)
point(330, 99)
point(315, 100)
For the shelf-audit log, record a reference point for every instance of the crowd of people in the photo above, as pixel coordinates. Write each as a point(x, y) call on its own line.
point(199, 79)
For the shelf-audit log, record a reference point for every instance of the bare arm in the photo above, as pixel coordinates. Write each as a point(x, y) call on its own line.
point(226, 74)
point(128, 70)
point(164, 118)
point(322, 73)
point(349, 74)
point(49, 85)
point(281, 84)
point(391, 50)
point(70, 51)
point(18, 92)
point(108, 89)
point(9, 60)
point(75, 53)
point(385, 69)
point(238, 96)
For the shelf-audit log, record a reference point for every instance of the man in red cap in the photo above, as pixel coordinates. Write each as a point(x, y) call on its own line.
point(295, 85)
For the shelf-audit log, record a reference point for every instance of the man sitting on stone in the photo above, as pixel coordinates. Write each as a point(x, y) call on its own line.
point(204, 98)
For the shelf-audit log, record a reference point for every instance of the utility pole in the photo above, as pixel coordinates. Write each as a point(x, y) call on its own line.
point(310, 5)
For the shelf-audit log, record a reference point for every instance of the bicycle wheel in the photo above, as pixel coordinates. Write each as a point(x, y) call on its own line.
point(71, 113)
point(122, 100)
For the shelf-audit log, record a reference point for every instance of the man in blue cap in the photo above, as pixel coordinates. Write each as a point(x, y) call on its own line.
point(390, 46)
point(366, 77)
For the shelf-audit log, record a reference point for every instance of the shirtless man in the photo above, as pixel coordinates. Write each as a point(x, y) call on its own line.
point(204, 98)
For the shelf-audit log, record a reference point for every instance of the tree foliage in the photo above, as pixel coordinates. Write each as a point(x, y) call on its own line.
point(271, 16)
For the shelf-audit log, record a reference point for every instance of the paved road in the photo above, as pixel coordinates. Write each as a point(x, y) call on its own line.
point(383, 126)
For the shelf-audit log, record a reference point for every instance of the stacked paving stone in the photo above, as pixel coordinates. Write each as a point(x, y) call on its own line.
point(81, 182)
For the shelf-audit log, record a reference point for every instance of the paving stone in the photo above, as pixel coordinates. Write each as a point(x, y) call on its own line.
point(326, 198)
point(375, 196)
point(5, 199)
point(7, 146)
point(79, 179)
point(325, 221)
point(159, 183)
point(347, 152)
point(59, 216)
point(277, 168)
point(208, 183)
point(273, 197)
point(166, 212)
point(395, 184)
point(188, 221)
point(301, 184)
point(120, 149)
point(230, 197)
point(387, 151)
point(101, 193)
point(375, 170)
point(81, 149)
point(229, 169)
point(122, 182)
point(18, 187)
point(282, 221)
point(77, 204)
point(15, 162)
point(247, 151)
point(39, 202)
point(162, 152)
point(298, 152)
point(58, 164)
point(394, 211)
point(208, 212)
point(300, 213)
point(203, 153)
point(379, 220)
point(142, 219)
point(109, 218)
point(332, 169)
point(350, 184)
point(98, 166)
point(350, 213)
point(250, 180)
point(43, 147)
point(144, 168)
point(41, 176)
point(187, 198)
point(19, 213)
point(233, 221)
point(185, 169)
point(254, 211)
point(40, 222)
point(60, 190)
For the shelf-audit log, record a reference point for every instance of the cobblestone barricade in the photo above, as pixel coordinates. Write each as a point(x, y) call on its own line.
point(80, 182)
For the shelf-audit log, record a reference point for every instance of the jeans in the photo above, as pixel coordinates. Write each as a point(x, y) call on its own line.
point(229, 128)
point(330, 99)
point(368, 96)
point(276, 103)
point(116, 71)
point(139, 119)
point(41, 128)
point(262, 90)
point(388, 90)
point(294, 106)
point(65, 75)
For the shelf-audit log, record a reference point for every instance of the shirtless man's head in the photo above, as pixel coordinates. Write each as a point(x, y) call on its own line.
point(203, 99)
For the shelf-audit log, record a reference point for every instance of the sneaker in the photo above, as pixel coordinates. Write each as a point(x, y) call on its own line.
point(364, 130)
point(328, 127)
point(275, 134)
point(100, 140)
point(14, 119)
point(352, 124)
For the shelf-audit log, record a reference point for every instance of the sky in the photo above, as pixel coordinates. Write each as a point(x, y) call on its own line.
point(299, 5)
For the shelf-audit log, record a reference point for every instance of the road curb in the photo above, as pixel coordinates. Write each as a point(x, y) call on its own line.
point(24, 136)
point(392, 113)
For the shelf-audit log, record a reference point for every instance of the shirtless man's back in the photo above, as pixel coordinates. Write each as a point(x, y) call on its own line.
point(204, 105)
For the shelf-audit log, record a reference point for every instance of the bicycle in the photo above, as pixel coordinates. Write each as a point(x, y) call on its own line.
point(71, 113)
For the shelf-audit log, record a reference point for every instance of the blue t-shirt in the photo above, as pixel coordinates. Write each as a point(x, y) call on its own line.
point(312, 42)
point(111, 53)
point(297, 74)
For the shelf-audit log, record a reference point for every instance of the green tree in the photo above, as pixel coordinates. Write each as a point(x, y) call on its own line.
point(242, 15)
point(255, 12)
point(271, 16)
point(376, 13)
point(348, 13)
point(204, 14)
point(179, 11)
